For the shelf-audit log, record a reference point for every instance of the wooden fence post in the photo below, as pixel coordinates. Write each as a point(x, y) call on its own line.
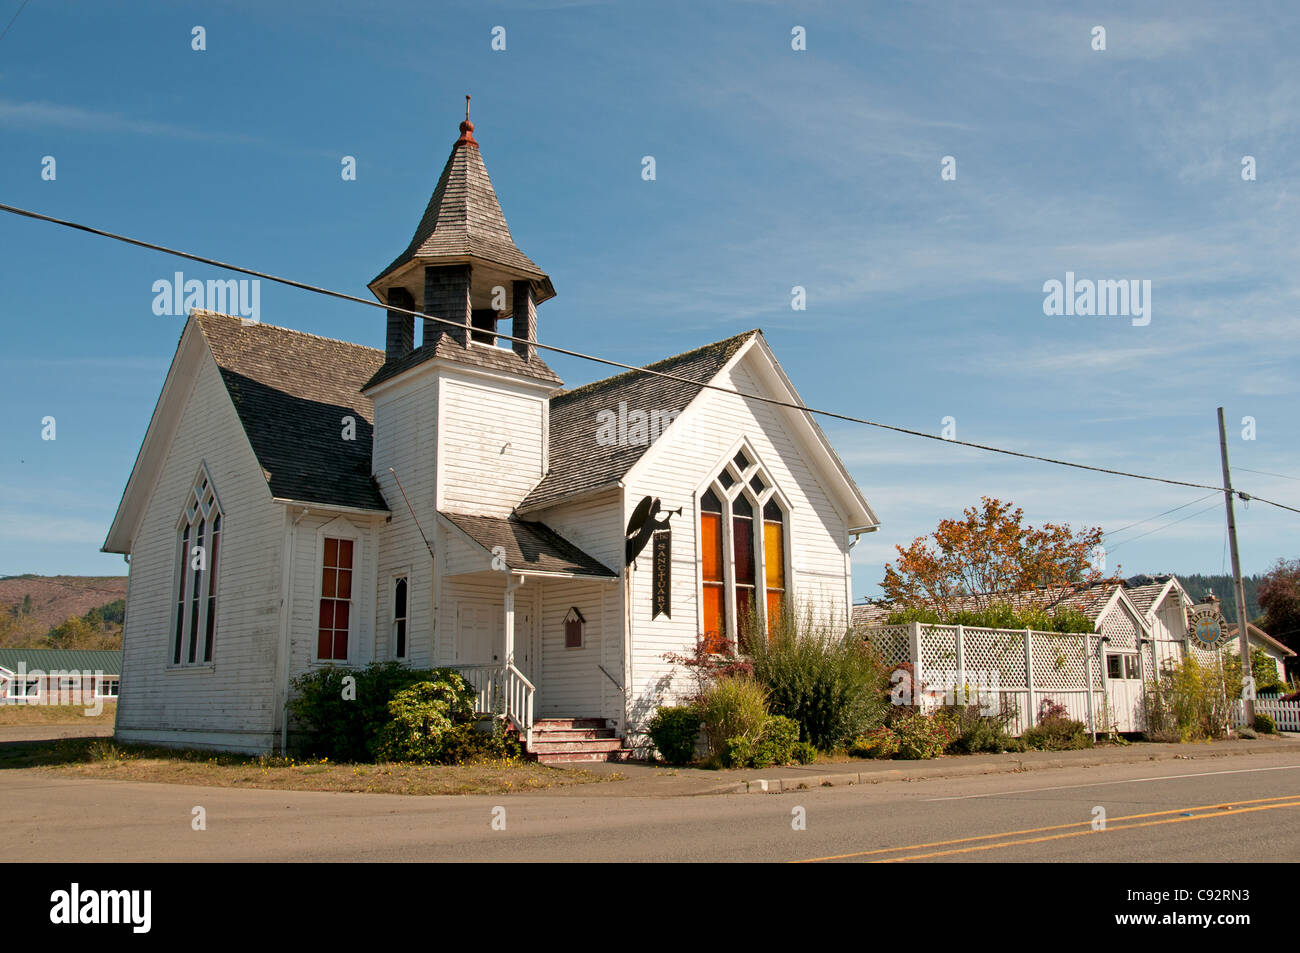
point(961, 692)
point(1029, 674)
point(916, 664)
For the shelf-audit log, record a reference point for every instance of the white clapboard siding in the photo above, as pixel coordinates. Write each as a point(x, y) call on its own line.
point(231, 704)
point(686, 455)
point(308, 536)
point(569, 682)
point(491, 445)
point(596, 525)
point(405, 439)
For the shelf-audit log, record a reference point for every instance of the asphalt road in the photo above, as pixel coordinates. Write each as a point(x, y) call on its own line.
point(1222, 809)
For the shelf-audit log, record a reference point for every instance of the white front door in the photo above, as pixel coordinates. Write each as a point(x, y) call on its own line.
point(480, 632)
point(1124, 691)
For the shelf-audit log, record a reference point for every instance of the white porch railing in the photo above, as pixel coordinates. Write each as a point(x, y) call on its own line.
point(502, 691)
point(1286, 715)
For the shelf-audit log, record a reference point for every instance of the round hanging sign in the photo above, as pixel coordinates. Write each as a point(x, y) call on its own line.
point(1206, 627)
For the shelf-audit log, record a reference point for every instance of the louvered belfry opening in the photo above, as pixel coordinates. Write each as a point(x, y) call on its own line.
point(447, 296)
point(524, 324)
point(401, 327)
point(460, 266)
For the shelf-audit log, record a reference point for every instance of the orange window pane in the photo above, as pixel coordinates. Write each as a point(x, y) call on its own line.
point(774, 554)
point(714, 616)
point(773, 609)
point(711, 546)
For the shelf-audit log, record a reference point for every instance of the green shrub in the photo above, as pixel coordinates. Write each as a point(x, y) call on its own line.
point(972, 732)
point(1189, 702)
point(344, 725)
point(422, 714)
point(1055, 731)
point(920, 737)
point(877, 743)
point(1264, 724)
point(675, 731)
point(833, 687)
point(804, 752)
point(466, 743)
point(1263, 668)
point(774, 744)
point(731, 708)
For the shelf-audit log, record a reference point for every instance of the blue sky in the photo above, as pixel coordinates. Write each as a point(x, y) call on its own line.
point(775, 168)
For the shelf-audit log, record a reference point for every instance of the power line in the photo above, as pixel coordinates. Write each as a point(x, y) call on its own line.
point(1267, 473)
point(1158, 515)
point(12, 19)
point(802, 408)
point(1158, 529)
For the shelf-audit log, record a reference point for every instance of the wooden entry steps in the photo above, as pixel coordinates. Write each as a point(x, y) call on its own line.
point(569, 740)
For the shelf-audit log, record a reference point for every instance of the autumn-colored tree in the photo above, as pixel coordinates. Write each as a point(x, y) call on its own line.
point(986, 555)
point(1279, 598)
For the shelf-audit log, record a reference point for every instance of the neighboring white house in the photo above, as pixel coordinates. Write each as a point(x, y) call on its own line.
point(1139, 627)
point(299, 502)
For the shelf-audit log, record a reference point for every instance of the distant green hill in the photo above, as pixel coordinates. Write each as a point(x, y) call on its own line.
point(1198, 586)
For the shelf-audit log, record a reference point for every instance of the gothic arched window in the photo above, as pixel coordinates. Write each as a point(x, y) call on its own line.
point(743, 552)
point(198, 532)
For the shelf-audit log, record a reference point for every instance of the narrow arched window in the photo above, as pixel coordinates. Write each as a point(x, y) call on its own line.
point(743, 552)
point(194, 625)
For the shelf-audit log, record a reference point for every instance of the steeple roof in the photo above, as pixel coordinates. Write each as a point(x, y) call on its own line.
point(464, 222)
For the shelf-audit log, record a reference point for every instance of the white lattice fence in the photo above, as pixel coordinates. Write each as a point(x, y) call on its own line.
point(957, 662)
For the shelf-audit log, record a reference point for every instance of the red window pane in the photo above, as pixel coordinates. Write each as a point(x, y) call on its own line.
point(345, 554)
point(743, 540)
point(331, 552)
point(327, 613)
point(744, 605)
point(341, 645)
point(325, 644)
point(345, 584)
point(341, 610)
point(329, 583)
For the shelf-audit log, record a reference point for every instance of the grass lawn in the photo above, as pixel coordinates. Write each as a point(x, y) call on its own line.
point(57, 714)
point(101, 758)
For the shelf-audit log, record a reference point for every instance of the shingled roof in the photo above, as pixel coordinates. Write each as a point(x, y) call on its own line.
point(464, 220)
point(1090, 599)
point(475, 355)
point(529, 546)
point(578, 462)
point(292, 391)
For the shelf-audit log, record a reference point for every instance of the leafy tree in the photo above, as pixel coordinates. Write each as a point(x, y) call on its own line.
point(1279, 597)
point(987, 554)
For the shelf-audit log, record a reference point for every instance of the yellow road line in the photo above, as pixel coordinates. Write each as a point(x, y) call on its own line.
point(1039, 830)
point(1038, 840)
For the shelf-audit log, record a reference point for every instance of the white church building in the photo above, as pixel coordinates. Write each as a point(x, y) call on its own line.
point(299, 502)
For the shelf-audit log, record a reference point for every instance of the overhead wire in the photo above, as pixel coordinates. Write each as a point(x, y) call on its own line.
point(802, 408)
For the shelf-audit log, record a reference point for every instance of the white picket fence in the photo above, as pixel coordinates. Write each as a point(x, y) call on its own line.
point(1286, 715)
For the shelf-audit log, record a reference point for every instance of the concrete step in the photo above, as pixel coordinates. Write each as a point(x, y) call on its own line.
point(572, 734)
point(574, 757)
point(547, 724)
point(604, 745)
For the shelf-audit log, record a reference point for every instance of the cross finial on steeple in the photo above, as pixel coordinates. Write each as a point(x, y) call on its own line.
point(466, 127)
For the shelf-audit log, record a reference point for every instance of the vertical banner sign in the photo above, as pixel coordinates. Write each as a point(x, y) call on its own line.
point(662, 576)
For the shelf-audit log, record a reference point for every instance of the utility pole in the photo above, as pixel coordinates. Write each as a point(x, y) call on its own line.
point(1243, 637)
